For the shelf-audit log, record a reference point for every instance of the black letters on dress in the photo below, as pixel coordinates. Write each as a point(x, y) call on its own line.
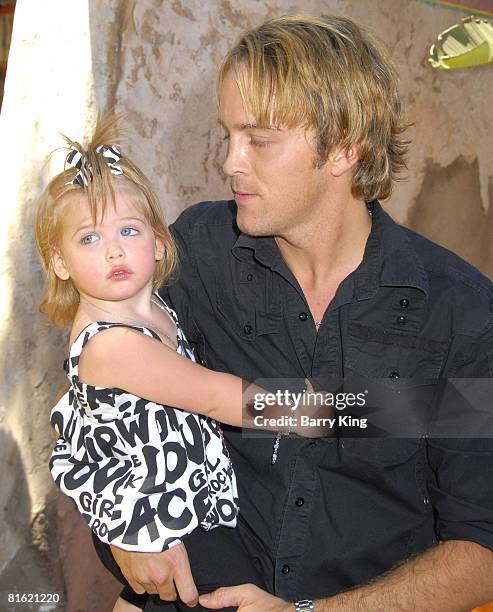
point(143, 516)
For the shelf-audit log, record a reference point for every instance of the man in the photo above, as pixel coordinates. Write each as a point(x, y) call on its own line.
point(304, 275)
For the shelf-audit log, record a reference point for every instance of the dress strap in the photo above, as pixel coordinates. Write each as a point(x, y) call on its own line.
point(183, 347)
point(162, 304)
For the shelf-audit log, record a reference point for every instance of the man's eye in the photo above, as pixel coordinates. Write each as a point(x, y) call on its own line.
point(129, 231)
point(258, 143)
point(89, 239)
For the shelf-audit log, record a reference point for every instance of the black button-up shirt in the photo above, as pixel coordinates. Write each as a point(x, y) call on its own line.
point(332, 513)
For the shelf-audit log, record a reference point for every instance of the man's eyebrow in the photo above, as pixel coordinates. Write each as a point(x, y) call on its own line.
point(250, 126)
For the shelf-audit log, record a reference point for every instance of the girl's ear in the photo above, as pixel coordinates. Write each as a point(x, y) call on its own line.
point(159, 250)
point(58, 264)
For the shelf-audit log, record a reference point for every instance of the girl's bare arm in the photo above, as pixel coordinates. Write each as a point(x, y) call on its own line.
point(127, 359)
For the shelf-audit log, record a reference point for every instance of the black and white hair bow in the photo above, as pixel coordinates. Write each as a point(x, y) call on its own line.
point(84, 175)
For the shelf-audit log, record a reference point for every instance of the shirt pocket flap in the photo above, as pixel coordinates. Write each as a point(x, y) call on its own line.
point(384, 452)
point(250, 308)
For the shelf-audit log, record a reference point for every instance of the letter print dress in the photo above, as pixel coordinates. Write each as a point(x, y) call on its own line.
point(143, 475)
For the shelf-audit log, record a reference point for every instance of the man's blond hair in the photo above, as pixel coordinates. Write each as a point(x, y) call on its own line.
point(328, 75)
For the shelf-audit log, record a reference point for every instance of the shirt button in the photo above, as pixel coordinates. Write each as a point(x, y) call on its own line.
point(394, 375)
point(285, 569)
point(302, 316)
point(401, 320)
point(250, 278)
point(404, 303)
point(299, 502)
point(248, 329)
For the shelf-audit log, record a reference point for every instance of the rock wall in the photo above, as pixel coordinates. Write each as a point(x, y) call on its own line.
point(156, 60)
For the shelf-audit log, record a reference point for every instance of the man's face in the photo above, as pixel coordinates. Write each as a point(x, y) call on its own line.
point(276, 184)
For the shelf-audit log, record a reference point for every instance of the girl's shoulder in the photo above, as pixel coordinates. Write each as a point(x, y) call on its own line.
point(91, 329)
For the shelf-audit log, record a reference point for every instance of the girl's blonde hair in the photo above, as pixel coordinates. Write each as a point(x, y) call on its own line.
point(61, 298)
point(329, 75)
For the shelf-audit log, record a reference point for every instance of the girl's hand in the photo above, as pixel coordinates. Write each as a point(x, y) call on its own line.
point(310, 417)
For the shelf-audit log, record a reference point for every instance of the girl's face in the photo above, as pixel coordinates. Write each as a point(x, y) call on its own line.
point(115, 258)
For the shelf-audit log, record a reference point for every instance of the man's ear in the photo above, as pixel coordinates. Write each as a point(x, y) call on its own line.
point(342, 161)
point(58, 265)
point(159, 250)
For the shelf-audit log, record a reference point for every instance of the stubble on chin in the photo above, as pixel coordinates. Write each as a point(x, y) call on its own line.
point(255, 226)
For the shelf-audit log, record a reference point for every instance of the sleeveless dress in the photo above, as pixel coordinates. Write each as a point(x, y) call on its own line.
point(143, 475)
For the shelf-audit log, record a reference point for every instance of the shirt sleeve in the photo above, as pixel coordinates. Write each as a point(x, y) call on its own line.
point(181, 291)
point(461, 483)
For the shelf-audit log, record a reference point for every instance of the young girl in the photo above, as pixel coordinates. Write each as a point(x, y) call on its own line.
point(143, 475)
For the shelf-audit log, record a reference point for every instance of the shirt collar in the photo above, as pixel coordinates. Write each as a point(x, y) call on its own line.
point(389, 258)
point(398, 263)
point(263, 248)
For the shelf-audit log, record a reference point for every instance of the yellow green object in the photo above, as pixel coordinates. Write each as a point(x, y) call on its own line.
point(465, 44)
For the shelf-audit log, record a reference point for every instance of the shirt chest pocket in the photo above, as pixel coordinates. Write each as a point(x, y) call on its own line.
point(375, 354)
point(399, 374)
point(251, 303)
point(381, 452)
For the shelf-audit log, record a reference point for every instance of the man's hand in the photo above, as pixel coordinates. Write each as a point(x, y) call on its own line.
point(162, 573)
point(454, 576)
point(247, 598)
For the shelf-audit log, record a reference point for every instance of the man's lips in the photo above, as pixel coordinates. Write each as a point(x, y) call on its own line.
point(119, 273)
point(243, 196)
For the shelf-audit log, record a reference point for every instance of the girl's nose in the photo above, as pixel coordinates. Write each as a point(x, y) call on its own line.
point(114, 251)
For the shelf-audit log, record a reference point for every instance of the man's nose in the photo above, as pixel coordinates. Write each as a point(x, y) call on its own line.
point(236, 161)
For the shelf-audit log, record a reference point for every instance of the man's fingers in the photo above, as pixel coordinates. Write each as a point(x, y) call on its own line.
point(166, 590)
point(137, 587)
point(159, 573)
point(186, 588)
point(183, 578)
point(150, 588)
point(143, 585)
point(162, 571)
point(221, 598)
point(227, 597)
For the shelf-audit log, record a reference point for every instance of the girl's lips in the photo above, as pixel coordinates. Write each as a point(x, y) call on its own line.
point(119, 273)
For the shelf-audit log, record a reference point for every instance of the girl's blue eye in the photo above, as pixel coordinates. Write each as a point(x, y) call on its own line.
point(129, 231)
point(89, 239)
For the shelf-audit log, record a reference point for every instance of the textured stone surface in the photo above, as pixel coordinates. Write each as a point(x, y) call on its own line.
point(169, 56)
point(49, 88)
point(157, 60)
